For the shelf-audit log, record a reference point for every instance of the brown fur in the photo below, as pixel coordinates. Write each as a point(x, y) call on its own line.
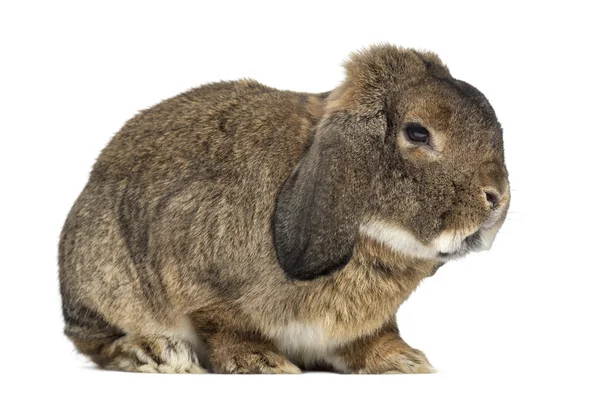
point(236, 208)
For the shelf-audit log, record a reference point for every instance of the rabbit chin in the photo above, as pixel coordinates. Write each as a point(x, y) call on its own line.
point(450, 244)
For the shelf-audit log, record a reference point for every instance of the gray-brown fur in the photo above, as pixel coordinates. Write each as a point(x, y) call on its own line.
point(237, 207)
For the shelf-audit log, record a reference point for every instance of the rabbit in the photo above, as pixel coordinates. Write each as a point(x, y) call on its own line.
point(236, 228)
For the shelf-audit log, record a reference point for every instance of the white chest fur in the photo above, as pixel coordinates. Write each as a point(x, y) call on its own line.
point(306, 345)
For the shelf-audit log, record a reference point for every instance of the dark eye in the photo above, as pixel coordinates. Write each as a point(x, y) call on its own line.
point(417, 133)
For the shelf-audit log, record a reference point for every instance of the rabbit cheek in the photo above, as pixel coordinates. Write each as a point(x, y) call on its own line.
point(398, 239)
point(404, 242)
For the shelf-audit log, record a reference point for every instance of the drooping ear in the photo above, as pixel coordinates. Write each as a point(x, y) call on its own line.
point(320, 205)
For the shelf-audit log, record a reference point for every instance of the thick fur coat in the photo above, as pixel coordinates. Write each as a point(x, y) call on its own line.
point(243, 229)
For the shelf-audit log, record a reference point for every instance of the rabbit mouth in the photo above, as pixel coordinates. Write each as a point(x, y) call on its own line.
point(473, 242)
point(451, 244)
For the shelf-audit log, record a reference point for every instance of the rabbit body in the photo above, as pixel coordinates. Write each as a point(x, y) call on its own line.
point(169, 262)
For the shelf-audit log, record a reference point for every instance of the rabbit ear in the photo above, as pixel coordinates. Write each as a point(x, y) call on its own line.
point(320, 206)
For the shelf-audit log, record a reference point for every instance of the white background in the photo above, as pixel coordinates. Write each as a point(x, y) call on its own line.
point(521, 317)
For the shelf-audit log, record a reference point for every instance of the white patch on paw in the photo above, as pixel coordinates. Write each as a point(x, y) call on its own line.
point(185, 331)
point(177, 348)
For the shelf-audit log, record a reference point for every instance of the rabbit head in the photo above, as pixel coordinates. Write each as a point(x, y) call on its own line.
point(404, 154)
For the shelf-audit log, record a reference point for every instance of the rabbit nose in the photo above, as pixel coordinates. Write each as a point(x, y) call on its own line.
point(491, 178)
point(492, 197)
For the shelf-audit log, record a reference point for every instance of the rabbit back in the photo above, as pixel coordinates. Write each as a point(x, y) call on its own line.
point(178, 206)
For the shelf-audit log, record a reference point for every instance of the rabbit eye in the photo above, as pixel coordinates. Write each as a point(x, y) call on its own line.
point(417, 133)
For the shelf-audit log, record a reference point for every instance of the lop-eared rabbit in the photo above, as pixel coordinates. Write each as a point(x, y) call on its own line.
point(238, 228)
